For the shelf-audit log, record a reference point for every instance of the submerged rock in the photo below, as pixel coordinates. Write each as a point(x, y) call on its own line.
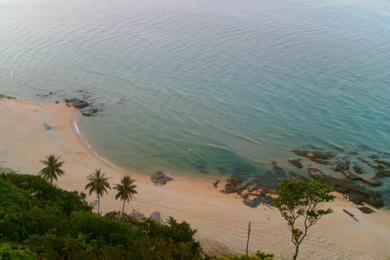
point(355, 177)
point(7, 97)
point(356, 193)
point(381, 172)
point(384, 163)
point(89, 111)
point(357, 169)
point(315, 156)
point(277, 169)
point(160, 178)
point(342, 165)
point(77, 103)
point(297, 163)
point(85, 107)
point(48, 94)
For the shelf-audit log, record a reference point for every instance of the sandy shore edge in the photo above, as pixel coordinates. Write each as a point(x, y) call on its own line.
point(220, 219)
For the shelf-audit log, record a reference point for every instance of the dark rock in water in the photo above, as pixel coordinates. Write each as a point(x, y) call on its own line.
point(384, 163)
point(277, 169)
point(366, 210)
point(57, 102)
point(355, 177)
point(315, 156)
point(297, 163)
point(342, 165)
point(50, 93)
point(381, 172)
point(367, 162)
point(356, 193)
point(89, 111)
point(364, 147)
point(85, 107)
point(77, 103)
point(160, 178)
point(320, 161)
point(356, 168)
point(7, 97)
point(374, 156)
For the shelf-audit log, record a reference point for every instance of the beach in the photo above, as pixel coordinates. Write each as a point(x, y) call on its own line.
point(31, 131)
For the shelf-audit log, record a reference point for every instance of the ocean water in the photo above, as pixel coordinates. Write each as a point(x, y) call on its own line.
point(208, 86)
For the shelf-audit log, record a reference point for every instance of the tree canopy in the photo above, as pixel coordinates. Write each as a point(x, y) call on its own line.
point(301, 204)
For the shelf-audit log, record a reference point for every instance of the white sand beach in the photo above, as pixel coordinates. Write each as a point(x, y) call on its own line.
point(221, 220)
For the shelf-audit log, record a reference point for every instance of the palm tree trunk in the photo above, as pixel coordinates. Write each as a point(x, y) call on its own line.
point(123, 208)
point(98, 204)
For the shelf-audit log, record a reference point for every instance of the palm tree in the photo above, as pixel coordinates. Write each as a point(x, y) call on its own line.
point(98, 184)
point(53, 168)
point(126, 191)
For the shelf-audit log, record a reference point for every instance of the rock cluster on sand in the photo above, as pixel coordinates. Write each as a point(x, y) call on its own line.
point(6, 97)
point(252, 194)
point(160, 178)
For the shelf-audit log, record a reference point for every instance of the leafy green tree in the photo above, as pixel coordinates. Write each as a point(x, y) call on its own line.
point(126, 191)
point(8, 251)
point(53, 168)
point(98, 184)
point(301, 205)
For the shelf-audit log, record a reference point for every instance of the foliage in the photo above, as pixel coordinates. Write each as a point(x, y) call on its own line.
point(10, 252)
point(302, 200)
point(126, 190)
point(98, 183)
point(40, 221)
point(53, 168)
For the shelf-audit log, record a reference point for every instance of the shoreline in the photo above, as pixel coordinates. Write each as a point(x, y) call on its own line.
point(221, 219)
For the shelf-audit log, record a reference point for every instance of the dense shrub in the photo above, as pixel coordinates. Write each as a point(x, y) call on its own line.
point(42, 221)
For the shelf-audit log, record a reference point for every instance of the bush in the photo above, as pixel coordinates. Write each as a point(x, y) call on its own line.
point(42, 221)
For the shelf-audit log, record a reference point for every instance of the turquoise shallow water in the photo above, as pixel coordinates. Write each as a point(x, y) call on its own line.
point(207, 86)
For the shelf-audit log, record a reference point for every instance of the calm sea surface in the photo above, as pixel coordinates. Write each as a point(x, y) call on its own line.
point(207, 86)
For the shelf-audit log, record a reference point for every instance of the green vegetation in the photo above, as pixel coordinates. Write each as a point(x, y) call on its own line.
point(98, 183)
point(53, 168)
point(39, 221)
point(302, 200)
point(126, 191)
